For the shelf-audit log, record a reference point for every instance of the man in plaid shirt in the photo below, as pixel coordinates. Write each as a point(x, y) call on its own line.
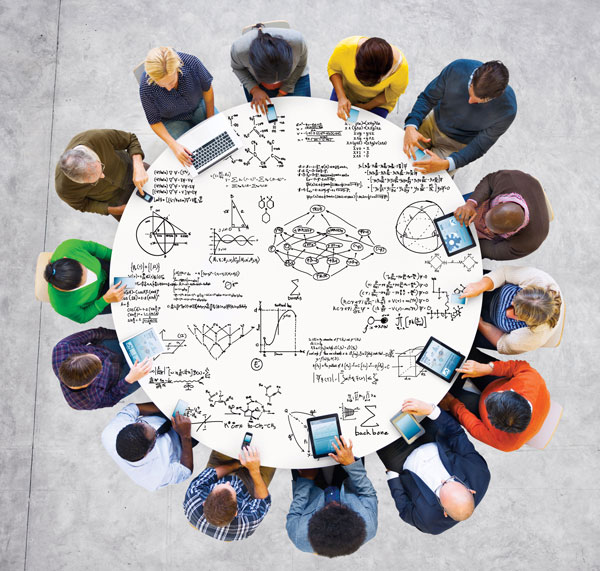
point(229, 506)
point(93, 371)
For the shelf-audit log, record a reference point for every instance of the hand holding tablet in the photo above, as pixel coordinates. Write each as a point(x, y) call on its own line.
point(343, 452)
point(456, 238)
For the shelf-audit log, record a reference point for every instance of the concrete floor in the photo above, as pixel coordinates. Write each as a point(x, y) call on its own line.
point(66, 67)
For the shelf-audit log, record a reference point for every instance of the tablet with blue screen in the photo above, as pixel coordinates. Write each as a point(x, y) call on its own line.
point(456, 238)
point(440, 359)
point(144, 344)
point(322, 431)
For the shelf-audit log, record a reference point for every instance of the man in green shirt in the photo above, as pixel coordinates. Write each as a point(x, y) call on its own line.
point(99, 170)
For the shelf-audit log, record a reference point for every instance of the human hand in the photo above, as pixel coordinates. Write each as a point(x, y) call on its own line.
point(183, 155)
point(432, 164)
point(415, 406)
point(445, 403)
point(115, 293)
point(343, 452)
point(465, 214)
point(474, 369)
point(182, 425)
point(308, 473)
point(412, 139)
point(260, 100)
point(250, 459)
point(140, 177)
point(139, 370)
point(472, 290)
point(343, 110)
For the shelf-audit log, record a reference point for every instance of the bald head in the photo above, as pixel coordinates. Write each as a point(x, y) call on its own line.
point(505, 217)
point(457, 501)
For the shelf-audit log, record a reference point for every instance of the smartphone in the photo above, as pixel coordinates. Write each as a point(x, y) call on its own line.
point(408, 427)
point(455, 298)
point(180, 408)
point(247, 440)
point(421, 156)
point(147, 197)
point(271, 113)
point(353, 116)
point(129, 283)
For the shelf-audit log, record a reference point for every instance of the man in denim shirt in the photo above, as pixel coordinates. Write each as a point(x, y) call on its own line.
point(338, 520)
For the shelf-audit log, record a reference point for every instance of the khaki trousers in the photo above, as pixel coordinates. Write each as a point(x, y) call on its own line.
point(440, 144)
point(217, 459)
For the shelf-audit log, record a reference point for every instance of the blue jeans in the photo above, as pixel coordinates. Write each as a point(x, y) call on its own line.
point(113, 345)
point(383, 113)
point(177, 127)
point(301, 89)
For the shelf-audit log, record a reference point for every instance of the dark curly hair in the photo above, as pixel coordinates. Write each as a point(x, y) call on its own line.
point(132, 443)
point(336, 530)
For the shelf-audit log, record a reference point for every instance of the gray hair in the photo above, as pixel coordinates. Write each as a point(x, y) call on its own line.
point(76, 163)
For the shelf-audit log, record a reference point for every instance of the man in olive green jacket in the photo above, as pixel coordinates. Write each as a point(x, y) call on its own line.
point(99, 170)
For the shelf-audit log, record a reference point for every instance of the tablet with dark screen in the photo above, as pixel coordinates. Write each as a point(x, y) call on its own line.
point(456, 238)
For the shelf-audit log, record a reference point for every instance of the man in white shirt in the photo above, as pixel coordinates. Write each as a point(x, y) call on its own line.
point(438, 480)
point(148, 448)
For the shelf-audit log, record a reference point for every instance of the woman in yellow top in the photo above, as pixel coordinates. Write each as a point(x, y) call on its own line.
point(368, 73)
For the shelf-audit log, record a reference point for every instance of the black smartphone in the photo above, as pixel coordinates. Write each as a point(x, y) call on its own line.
point(271, 113)
point(147, 197)
point(247, 440)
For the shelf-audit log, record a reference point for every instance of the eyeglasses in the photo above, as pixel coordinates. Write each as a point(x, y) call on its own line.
point(155, 433)
point(439, 488)
point(95, 183)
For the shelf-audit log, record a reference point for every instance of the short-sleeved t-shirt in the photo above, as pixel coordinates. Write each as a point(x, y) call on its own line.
point(343, 61)
point(180, 103)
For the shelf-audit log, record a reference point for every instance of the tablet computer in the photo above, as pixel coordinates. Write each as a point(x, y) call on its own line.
point(408, 427)
point(322, 431)
point(455, 237)
point(440, 359)
point(142, 345)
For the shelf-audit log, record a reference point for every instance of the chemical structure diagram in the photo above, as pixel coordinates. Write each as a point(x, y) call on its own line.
point(261, 148)
point(316, 248)
point(252, 409)
point(265, 204)
point(157, 235)
point(437, 262)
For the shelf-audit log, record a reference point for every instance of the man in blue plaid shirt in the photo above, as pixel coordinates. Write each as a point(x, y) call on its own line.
point(229, 506)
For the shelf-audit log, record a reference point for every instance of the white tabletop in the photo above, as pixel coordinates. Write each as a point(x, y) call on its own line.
point(299, 277)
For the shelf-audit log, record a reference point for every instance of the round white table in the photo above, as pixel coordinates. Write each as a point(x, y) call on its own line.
point(301, 276)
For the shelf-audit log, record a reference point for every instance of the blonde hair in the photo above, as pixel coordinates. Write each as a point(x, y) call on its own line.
point(536, 306)
point(161, 62)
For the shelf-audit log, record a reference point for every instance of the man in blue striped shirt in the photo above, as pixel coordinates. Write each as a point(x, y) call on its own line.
point(223, 505)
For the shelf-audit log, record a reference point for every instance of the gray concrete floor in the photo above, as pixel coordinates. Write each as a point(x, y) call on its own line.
point(66, 66)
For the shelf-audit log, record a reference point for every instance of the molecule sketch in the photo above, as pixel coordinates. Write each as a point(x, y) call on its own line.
point(216, 338)
point(437, 262)
point(157, 235)
point(266, 203)
point(415, 228)
point(317, 248)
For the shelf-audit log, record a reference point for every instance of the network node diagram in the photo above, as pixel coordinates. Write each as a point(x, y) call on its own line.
point(310, 244)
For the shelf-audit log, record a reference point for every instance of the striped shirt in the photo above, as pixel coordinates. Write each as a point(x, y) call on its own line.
point(108, 387)
point(251, 511)
point(502, 299)
point(181, 102)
